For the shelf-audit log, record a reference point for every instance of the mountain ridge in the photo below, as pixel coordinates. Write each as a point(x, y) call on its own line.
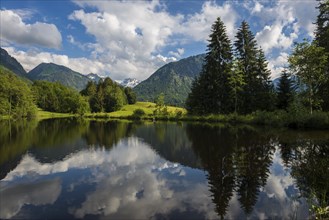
point(174, 80)
point(11, 63)
point(58, 73)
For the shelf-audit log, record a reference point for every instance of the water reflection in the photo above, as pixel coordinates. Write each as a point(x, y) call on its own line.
point(106, 169)
point(36, 193)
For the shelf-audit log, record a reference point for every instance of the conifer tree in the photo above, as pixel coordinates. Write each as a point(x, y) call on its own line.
point(322, 40)
point(285, 90)
point(322, 25)
point(257, 89)
point(210, 91)
point(265, 92)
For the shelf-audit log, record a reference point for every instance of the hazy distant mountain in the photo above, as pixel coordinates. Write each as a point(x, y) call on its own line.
point(57, 73)
point(11, 63)
point(129, 82)
point(94, 77)
point(174, 80)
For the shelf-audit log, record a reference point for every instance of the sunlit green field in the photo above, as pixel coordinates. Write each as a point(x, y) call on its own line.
point(148, 108)
point(41, 114)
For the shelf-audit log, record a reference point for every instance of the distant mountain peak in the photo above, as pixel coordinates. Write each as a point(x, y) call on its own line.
point(94, 77)
point(129, 82)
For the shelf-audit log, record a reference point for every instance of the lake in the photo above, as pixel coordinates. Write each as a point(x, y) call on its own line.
point(69, 168)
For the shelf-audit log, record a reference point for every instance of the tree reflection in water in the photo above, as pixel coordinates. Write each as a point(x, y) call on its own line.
point(308, 159)
point(237, 160)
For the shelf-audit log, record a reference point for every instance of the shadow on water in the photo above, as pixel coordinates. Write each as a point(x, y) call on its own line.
point(237, 160)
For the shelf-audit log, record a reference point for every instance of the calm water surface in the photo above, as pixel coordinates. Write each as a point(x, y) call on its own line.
point(66, 168)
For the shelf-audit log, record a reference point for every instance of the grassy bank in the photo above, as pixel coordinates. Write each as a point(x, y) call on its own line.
point(295, 120)
point(41, 114)
point(127, 111)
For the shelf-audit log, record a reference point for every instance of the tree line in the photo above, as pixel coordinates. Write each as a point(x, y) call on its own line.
point(107, 95)
point(19, 98)
point(235, 77)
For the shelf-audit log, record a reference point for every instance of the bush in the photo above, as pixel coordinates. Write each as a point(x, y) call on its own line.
point(179, 113)
point(276, 119)
point(138, 113)
point(317, 120)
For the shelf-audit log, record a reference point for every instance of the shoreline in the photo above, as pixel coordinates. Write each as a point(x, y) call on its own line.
point(280, 119)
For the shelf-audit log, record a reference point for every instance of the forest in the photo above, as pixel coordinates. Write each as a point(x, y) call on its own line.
point(235, 77)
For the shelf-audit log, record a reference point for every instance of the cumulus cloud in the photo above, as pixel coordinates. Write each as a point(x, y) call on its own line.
point(283, 23)
point(178, 53)
point(30, 59)
point(278, 64)
point(133, 47)
point(127, 44)
point(274, 37)
point(15, 30)
point(198, 25)
point(137, 42)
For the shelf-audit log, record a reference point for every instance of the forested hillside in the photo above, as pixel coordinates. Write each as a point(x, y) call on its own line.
point(11, 63)
point(16, 98)
point(174, 80)
point(56, 73)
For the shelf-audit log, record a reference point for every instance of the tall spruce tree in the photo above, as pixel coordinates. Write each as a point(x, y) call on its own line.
point(210, 91)
point(246, 53)
point(265, 92)
point(257, 89)
point(285, 91)
point(322, 40)
point(322, 25)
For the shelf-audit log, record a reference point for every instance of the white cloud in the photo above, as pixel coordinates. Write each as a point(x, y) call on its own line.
point(15, 30)
point(30, 59)
point(132, 44)
point(132, 40)
point(278, 64)
point(133, 47)
point(274, 37)
point(198, 25)
point(257, 8)
point(178, 53)
point(283, 23)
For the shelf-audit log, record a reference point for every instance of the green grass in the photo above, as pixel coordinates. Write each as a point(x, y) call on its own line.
point(127, 111)
point(41, 114)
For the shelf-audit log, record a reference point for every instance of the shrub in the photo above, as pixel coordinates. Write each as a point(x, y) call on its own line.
point(276, 119)
point(138, 113)
point(179, 113)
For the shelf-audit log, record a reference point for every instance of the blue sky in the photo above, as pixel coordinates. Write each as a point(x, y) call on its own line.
point(124, 39)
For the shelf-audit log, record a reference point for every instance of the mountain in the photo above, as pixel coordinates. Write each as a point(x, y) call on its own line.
point(94, 77)
point(174, 80)
point(11, 63)
point(129, 82)
point(56, 73)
